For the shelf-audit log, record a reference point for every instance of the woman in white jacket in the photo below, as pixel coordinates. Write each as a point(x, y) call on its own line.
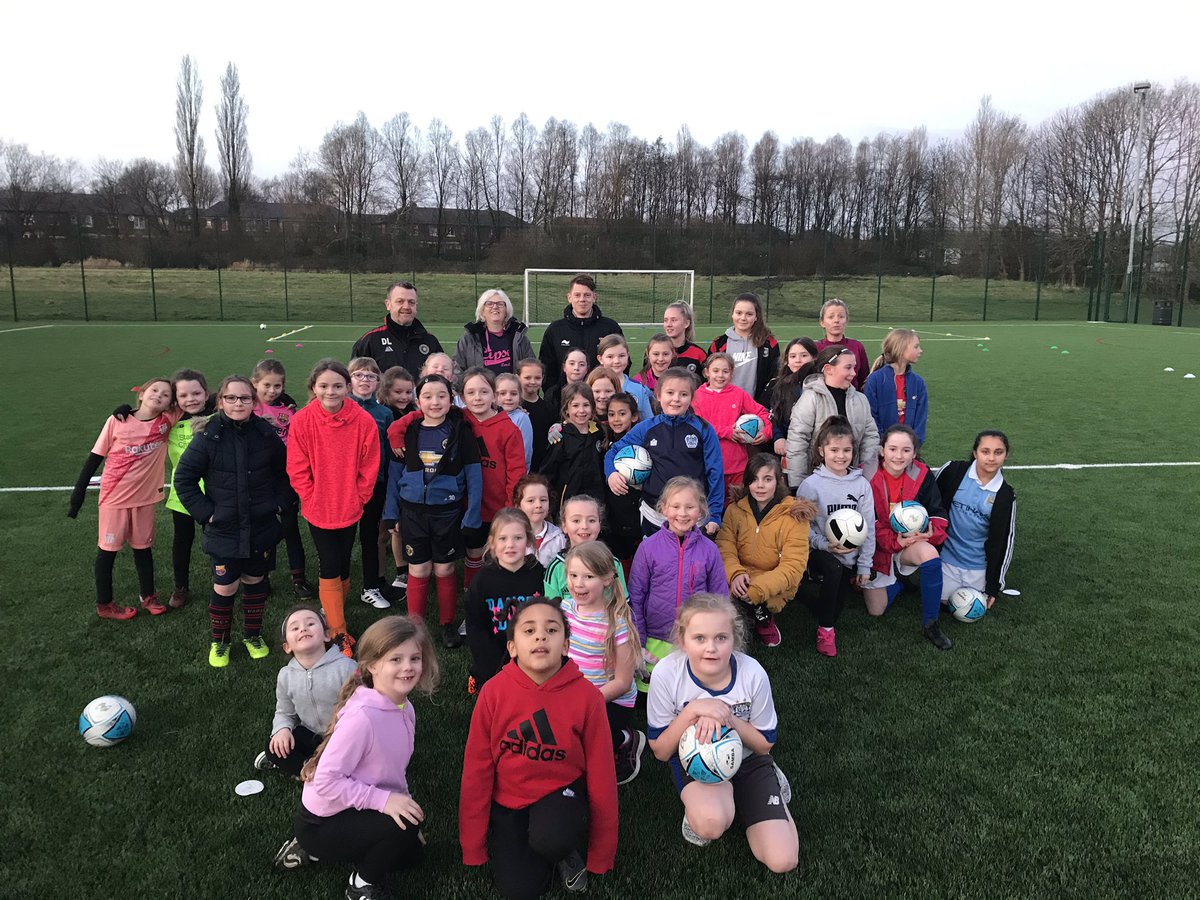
point(830, 391)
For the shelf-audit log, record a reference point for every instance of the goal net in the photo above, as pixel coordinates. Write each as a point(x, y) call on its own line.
point(629, 296)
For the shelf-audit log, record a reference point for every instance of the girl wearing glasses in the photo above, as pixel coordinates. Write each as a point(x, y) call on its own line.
point(495, 340)
point(830, 391)
point(364, 384)
point(333, 460)
point(243, 466)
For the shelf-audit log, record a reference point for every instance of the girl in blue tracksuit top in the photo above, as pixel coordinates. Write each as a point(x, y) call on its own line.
point(896, 393)
point(435, 490)
point(679, 443)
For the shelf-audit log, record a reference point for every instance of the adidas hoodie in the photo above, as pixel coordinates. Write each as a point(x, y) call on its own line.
point(528, 740)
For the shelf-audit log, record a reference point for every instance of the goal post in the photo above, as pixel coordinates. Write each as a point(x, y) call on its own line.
point(629, 296)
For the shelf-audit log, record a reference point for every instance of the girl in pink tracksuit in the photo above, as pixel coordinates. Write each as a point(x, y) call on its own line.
point(672, 565)
point(721, 403)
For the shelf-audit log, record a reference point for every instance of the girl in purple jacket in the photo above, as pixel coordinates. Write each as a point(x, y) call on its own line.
point(672, 565)
point(356, 806)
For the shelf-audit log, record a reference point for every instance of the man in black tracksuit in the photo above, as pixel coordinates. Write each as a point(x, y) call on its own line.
point(582, 326)
point(402, 340)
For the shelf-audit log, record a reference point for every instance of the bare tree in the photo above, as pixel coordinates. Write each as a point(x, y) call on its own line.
point(442, 166)
point(518, 165)
point(556, 160)
point(189, 145)
point(233, 144)
point(350, 156)
point(404, 162)
point(764, 172)
point(494, 159)
point(153, 190)
point(32, 180)
point(730, 158)
point(591, 150)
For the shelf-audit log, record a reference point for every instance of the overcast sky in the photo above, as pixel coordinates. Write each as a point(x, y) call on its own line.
point(94, 79)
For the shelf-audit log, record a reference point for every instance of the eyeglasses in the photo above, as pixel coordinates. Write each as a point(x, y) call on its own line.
point(365, 376)
point(494, 304)
point(230, 398)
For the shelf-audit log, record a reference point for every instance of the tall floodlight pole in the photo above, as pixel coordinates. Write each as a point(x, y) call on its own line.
point(1140, 89)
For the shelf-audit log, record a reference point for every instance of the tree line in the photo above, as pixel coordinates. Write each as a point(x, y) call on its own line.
point(1008, 198)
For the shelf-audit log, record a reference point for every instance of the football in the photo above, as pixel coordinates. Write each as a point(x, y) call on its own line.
point(634, 465)
point(749, 426)
point(968, 605)
point(846, 528)
point(909, 517)
point(713, 762)
point(107, 721)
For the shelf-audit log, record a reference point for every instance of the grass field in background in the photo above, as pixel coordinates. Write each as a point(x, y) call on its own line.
point(1050, 754)
point(45, 294)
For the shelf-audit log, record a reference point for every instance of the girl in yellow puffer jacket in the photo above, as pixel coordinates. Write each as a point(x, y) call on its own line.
point(764, 543)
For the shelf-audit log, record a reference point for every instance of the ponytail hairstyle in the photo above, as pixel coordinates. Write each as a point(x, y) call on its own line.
point(994, 433)
point(714, 603)
point(895, 345)
point(327, 365)
point(683, 483)
point(598, 559)
point(831, 302)
point(719, 357)
point(833, 427)
point(685, 310)
point(146, 386)
point(507, 516)
point(657, 338)
point(268, 367)
point(758, 462)
point(906, 431)
point(376, 642)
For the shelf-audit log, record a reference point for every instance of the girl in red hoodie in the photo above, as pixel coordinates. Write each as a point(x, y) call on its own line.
point(333, 459)
point(539, 789)
point(721, 403)
point(502, 459)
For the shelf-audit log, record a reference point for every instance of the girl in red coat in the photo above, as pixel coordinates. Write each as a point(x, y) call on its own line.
point(502, 459)
point(539, 788)
point(332, 461)
point(902, 476)
point(721, 403)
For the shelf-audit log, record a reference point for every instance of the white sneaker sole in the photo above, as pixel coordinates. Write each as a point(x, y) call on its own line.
point(379, 602)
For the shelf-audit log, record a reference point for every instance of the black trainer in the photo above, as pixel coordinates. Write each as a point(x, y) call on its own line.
point(629, 757)
point(366, 892)
point(450, 636)
point(292, 856)
point(573, 872)
point(933, 633)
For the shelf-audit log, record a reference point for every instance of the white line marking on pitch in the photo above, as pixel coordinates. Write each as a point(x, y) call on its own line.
point(280, 337)
point(26, 328)
point(1061, 466)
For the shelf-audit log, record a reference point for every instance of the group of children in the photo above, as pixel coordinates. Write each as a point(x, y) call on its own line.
point(581, 591)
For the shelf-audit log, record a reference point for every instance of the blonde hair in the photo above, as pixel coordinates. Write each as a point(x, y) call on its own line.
point(834, 301)
point(432, 356)
point(363, 364)
point(598, 559)
point(376, 642)
point(689, 333)
point(682, 483)
point(508, 516)
point(704, 603)
point(894, 346)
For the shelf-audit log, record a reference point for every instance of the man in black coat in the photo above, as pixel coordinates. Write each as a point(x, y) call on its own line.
point(582, 326)
point(402, 340)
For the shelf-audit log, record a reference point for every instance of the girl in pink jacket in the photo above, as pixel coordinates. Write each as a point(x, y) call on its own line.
point(721, 403)
point(356, 806)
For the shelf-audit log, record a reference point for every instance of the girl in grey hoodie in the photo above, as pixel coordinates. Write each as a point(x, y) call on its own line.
point(305, 691)
point(834, 485)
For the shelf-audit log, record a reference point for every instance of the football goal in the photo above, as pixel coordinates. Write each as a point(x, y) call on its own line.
point(630, 296)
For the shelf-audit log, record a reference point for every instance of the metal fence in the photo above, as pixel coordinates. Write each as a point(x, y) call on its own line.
point(310, 270)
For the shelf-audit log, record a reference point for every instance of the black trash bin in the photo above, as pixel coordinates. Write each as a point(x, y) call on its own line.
point(1163, 312)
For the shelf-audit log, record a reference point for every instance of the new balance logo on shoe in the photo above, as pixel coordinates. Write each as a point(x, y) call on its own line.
point(534, 739)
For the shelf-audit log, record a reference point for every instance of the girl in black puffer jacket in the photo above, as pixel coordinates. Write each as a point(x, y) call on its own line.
point(574, 463)
point(243, 466)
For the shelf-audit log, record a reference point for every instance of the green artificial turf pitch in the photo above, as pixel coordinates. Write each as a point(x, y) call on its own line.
point(1051, 753)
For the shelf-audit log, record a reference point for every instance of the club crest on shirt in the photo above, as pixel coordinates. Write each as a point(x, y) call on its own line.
point(691, 441)
point(220, 570)
point(423, 349)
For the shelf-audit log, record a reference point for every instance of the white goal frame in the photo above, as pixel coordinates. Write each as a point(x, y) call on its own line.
point(689, 274)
